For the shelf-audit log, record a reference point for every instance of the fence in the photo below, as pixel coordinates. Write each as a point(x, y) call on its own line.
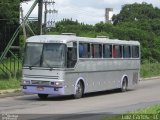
point(10, 65)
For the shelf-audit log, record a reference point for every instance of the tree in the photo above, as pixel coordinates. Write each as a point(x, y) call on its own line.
point(9, 11)
point(136, 12)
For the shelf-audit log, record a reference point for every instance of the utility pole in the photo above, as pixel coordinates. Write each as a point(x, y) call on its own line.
point(48, 11)
point(45, 17)
point(23, 24)
point(40, 12)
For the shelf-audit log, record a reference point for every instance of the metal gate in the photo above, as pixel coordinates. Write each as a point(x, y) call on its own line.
point(10, 64)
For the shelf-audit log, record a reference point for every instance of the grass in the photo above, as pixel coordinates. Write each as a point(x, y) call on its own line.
point(9, 84)
point(149, 110)
point(150, 70)
point(149, 113)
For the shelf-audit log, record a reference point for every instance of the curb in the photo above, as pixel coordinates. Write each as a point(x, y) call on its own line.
point(150, 78)
point(10, 93)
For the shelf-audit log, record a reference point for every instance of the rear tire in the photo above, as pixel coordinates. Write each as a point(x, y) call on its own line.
point(43, 96)
point(124, 85)
point(79, 90)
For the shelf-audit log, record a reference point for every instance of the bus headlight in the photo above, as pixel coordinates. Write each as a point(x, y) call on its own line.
point(26, 82)
point(57, 84)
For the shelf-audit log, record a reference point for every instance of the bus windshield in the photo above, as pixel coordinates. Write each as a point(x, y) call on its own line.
point(49, 55)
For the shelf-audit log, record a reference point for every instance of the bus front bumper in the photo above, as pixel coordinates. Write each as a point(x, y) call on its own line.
point(43, 90)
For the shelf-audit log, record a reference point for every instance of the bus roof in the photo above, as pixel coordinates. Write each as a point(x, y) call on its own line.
point(69, 38)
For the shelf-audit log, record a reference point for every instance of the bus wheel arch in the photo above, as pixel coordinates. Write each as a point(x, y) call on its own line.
point(79, 88)
point(124, 83)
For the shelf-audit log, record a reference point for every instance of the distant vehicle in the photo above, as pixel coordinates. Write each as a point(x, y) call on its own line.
point(71, 65)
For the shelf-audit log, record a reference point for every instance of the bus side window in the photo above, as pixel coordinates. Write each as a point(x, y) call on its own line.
point(117, 51)
point(72, 56)
point(84, 50)
point(126, 51)
point(135, 51)
point(107, 51)
point(96, 50)
point(114, 52)
point(81, 49)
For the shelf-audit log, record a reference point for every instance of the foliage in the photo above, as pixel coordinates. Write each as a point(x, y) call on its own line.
point(67, 25)
point(9, 21)
point(136, 12)
point(149, 110)
point(140, 22)
point(150, 69)
point(9, 10)
point(9, 84)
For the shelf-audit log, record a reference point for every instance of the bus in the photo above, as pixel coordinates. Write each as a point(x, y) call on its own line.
point(72, 65)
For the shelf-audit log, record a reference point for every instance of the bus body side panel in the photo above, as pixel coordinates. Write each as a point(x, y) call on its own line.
point(104, 74)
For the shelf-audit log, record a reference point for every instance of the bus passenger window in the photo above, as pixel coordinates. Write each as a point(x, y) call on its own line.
point(81, 51)
point(117, 51)
point(107, 51)
point(96, 50)
point(72, 56)
point(126, 51)
point(84, 50)
point(135, 52)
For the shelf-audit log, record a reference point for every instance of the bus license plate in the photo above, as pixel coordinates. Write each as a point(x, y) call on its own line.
point(40, 88)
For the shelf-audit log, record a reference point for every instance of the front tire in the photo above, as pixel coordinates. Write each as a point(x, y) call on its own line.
point(43, 96)
point(79, 90)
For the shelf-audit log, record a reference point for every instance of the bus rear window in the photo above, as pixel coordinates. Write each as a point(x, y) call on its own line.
point(135, 51)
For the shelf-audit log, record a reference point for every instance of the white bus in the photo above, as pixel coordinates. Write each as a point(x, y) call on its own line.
point(71, 65)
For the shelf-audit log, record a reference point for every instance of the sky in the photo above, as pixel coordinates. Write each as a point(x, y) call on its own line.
point(86, 11)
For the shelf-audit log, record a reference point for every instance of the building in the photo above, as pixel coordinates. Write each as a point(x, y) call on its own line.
point(108, 15)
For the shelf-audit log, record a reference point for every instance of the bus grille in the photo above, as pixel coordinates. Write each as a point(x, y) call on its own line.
point(40, 76)
point(37, 82)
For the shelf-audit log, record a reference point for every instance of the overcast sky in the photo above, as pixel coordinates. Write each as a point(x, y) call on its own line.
point(87, 11)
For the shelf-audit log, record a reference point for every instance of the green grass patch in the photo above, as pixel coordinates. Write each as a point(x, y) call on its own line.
point(150, 70)
point(9, 84)
point(149, 113)
point(149, 110)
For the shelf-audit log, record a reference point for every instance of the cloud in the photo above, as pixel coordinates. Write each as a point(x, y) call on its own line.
point(89, 11)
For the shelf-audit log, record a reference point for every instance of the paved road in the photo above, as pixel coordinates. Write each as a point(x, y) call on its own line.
point(108, 102)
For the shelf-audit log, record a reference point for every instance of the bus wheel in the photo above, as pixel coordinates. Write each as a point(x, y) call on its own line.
point(79, 90)
point(43, 96)
point(124, 85)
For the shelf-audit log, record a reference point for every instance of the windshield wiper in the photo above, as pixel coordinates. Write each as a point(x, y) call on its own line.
point(47, 65)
